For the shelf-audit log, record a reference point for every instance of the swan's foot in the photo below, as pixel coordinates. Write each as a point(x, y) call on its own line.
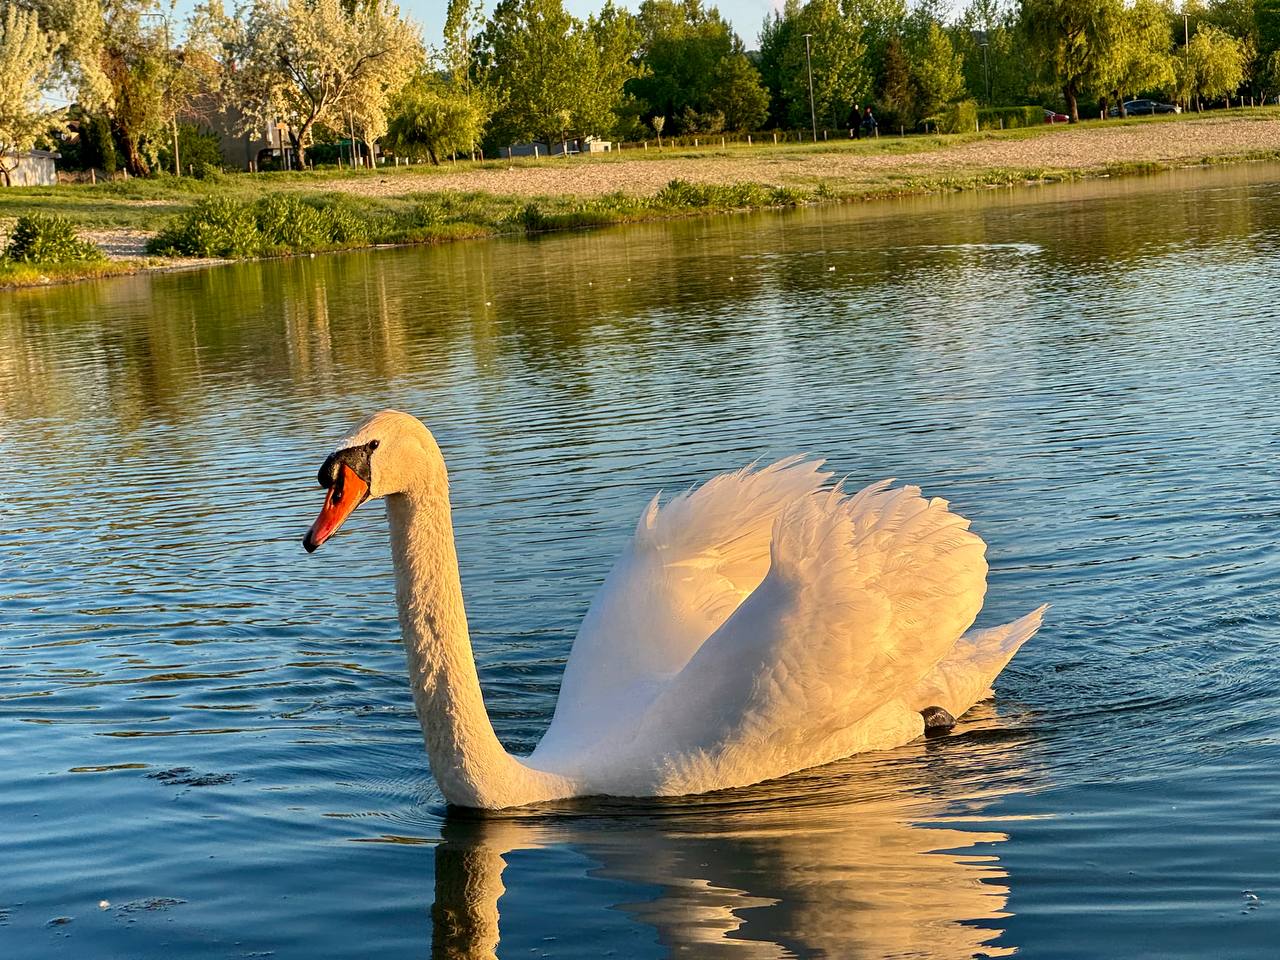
point(937, 721)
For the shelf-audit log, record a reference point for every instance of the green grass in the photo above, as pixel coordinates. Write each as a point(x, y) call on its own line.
point(13, 274)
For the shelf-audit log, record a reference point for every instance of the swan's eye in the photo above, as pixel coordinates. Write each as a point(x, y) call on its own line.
point(373, 445)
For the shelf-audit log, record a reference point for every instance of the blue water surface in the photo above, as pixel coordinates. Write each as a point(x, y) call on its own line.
point(207, 741)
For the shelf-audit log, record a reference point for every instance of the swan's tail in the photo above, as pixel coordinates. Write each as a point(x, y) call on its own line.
point(964, 677)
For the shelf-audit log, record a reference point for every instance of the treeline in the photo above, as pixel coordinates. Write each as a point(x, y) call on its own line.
point(320, 73)
point(531, 71)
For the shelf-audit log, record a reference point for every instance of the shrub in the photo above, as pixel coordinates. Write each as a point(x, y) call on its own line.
point(37, 238)
point(198, 150)
point(532, 219)
point(961, 117)
point(681, 193)
point(1009, 118)
point(203, 170)
point(215, 227)
point(219, 227)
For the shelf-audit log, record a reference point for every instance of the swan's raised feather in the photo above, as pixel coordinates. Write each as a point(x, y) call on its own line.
point(756, 625)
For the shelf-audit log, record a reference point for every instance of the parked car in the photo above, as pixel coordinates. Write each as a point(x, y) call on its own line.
point(1052, 116)
point(1141, 107)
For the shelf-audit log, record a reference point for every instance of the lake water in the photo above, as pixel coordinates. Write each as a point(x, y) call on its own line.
point(207, 742)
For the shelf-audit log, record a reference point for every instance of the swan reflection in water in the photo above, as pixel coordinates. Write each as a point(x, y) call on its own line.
point(865, 858)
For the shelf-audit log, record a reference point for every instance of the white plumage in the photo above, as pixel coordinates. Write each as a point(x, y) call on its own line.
point(760, 624)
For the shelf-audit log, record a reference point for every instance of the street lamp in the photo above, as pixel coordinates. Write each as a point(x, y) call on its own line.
point(808, 62)
point(1186, 55)
point(986, 71)
point(168, 49)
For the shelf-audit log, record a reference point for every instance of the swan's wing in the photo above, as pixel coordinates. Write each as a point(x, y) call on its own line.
point(864, 595)
point(688, 567)
point(964, 676)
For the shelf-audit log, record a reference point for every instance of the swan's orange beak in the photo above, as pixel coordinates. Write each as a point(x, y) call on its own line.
point(347, 493)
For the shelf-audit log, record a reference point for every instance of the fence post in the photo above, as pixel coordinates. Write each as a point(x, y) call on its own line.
point(722, 143)
point(775, 138)
point(748, 139)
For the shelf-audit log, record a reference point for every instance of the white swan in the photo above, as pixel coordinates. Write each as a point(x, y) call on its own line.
point(757, 625)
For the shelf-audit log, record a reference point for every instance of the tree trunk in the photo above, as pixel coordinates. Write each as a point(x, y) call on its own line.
point(134, 161)
point(299, 151)
point(1073, 109)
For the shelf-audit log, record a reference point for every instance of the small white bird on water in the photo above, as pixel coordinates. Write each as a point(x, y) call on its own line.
point(759, 624)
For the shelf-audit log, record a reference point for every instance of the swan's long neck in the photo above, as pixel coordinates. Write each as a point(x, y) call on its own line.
point(467, 759)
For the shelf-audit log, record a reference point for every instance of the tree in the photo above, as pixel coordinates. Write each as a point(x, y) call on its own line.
point(737, 93)
point(1214, 64)
point(840, 75)
point(895, 95)
point(432, 117)
point(609, 50)
point(1266, 15)
point(938, 71)
point(992, 43)
point(551, 73)
point(460, 17)
point(117, 57)
point(696, 68)
point(1140, 56)
point(1269, 77)
point(305, 62)
point(26, 70)
point(880, 21)
point(1072, 38)
point(681, 45)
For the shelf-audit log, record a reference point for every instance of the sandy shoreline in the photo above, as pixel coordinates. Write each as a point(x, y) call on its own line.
point(1063, 148)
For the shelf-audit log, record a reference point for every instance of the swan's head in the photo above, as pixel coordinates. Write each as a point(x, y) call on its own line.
point(388, 453)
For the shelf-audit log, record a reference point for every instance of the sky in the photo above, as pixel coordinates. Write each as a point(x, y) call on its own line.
point(745, 15)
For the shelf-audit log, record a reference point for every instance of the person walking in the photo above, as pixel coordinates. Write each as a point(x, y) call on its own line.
point(868, 123)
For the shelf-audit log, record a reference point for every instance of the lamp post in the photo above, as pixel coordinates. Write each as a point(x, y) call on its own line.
point(1186, 53)
point(808, 62)
point(173, 120)
point(986, 71)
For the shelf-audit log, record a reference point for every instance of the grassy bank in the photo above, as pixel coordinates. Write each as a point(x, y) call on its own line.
point(254, 215)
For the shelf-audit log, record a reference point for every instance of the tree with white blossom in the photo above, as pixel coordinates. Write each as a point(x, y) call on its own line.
point(27, 55)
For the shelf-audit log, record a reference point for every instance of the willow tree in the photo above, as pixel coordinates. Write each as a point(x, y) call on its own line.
point(1213, 64)
point(1073, 39)
point(26, 71)
point(432, 118)
point(1140, 57)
